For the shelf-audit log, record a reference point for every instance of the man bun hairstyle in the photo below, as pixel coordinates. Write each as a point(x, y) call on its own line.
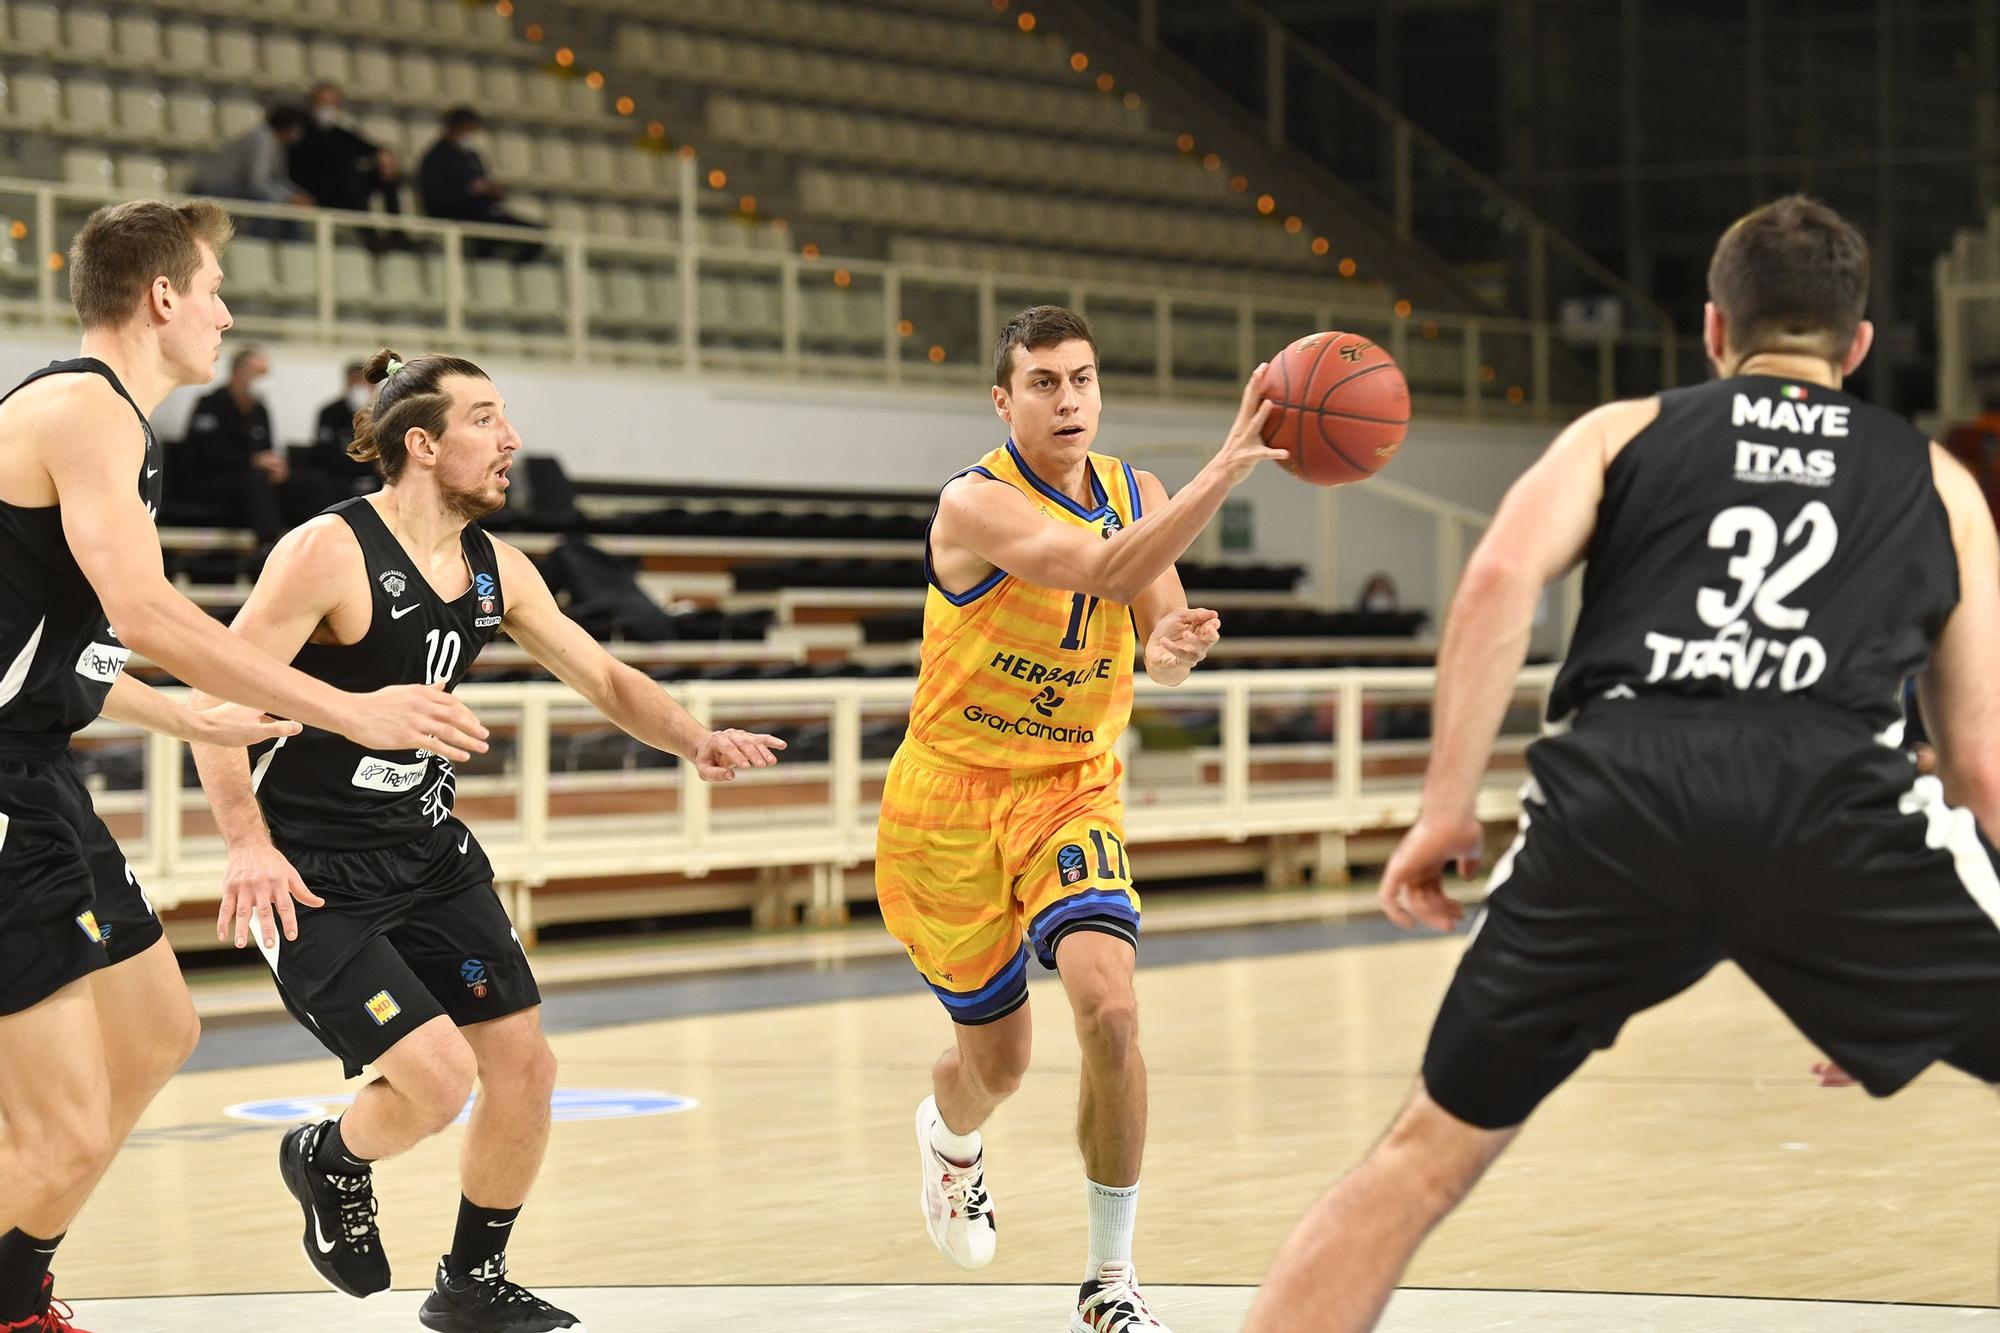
point(123, 248)
point(410, 396)
point(1791, 276)
point(1037, 326)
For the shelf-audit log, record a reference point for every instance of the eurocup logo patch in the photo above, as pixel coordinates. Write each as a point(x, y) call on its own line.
point(1111, 524)
point(473, 973)
point(1070, 864)
point(394, 581)
point(485, 585)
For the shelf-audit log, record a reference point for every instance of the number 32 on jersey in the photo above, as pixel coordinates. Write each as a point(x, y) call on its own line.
point(1755, 590)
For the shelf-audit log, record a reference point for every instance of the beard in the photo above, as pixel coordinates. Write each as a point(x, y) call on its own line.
point(474, 503)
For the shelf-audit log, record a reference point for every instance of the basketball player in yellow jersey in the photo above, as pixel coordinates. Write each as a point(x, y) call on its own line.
point(1002, 829)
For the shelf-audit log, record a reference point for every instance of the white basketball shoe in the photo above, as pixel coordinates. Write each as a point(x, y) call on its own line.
point(1112, 1303)
point(958, 1212)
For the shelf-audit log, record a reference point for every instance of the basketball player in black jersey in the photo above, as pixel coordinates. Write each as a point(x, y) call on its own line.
point(93, 1014)
point(1768, 560)
point(411, 965)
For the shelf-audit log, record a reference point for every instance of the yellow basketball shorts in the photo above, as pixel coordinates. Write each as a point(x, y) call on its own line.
point(972, 865)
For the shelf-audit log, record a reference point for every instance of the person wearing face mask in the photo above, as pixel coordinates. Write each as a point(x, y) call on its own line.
point(343, 169)
point(454, 183)
point(226, 470)
point(327, 474)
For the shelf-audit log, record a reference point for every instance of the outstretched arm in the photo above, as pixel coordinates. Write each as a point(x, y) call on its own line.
point(1542, 530)
point(112, 537)
point(138, 704)
point(629, 698)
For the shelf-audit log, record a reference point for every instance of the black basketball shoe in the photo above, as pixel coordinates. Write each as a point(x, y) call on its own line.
point(341, 1240)
point(484, 1301)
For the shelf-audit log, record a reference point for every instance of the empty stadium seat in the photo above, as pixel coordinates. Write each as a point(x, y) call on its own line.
point(35, 101)
point(36, 28)
point(330, 60)
point(189, 45)
point(235, 115)
point(87, 36)
point(139, 174)
point(141, 112)
point(191, 119)
point(90, 168)
point(88, 108)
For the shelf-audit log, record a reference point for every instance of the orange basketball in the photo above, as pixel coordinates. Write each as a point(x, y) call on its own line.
point(1341, 408)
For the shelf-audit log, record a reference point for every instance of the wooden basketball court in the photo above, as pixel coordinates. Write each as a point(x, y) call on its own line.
point(1701, 1159)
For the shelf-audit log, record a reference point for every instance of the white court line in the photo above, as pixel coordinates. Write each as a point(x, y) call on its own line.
point(1023, 1309)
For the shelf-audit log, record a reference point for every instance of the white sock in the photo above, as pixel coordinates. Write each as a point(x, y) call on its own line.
point(1114, 1210)
point(958, 1149)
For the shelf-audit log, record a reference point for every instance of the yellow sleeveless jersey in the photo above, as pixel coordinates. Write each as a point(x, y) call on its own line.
point(1019, 677)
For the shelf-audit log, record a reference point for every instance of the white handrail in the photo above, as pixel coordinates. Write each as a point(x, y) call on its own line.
point(570, 326)
point(821, 816)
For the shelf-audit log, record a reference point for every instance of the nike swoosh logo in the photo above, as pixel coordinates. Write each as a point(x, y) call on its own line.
point(151, 473)
point(319, 1235)
point(490, 1224)
point(463, 843)
point(398, 612)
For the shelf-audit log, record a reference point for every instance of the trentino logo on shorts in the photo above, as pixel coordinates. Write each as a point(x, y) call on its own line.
point(1070, 864)
point(382, 1007)
point(373, 774)
point(88, 924)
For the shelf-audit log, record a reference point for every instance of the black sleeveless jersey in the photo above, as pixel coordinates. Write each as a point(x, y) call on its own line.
point(321, 790)
point(58, 655)
point(1762, 540)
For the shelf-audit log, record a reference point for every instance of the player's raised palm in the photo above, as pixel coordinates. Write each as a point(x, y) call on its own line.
point(723, 752)
point(1413, 885)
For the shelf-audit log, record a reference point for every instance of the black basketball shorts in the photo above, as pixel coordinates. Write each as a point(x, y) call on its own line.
point(1659, 839)
point(408, 934)
point(68, 902)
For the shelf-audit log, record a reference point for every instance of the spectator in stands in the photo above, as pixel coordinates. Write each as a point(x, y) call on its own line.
point(252, 166)
point(1379, 594)
point(455, 184)
point(226, 470)
point(342, 169)
point(327, 475)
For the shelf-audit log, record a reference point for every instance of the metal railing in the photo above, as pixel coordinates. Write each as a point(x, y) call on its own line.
point(695, 306)
point(1195, 773)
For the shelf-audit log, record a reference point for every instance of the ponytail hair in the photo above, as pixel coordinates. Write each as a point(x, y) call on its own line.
point(411, 396)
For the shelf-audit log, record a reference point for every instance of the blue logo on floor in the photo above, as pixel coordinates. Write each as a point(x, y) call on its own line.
point(568, 1104)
